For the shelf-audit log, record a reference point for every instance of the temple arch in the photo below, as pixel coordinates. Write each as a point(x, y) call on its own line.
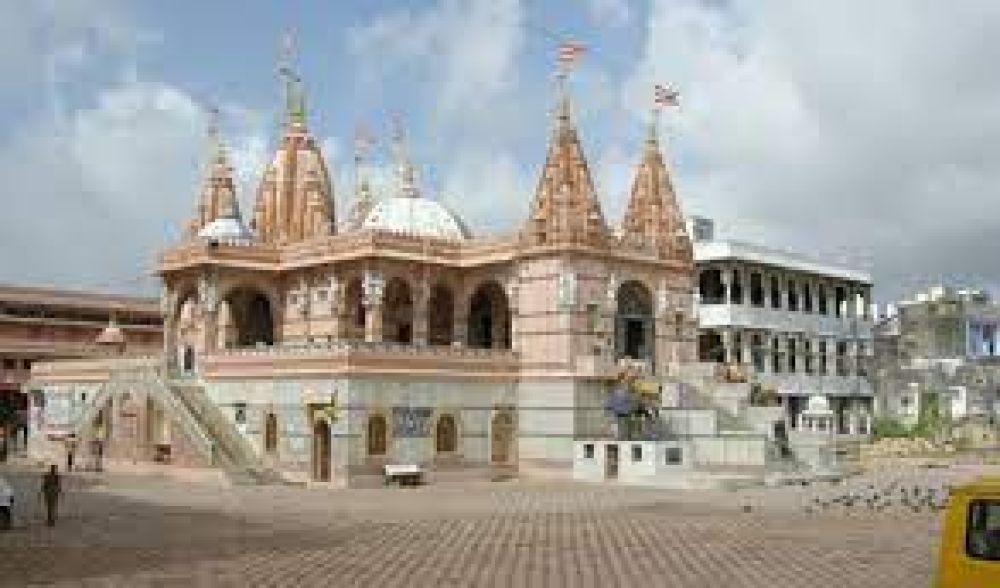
point(321, 451)
point(634, 336)
point(252, 317)
point(441, 315)
point(397, 313)
point(489, 317)
point(270, 433)
point(377, 433)
point(354, 310)
point(446, 434)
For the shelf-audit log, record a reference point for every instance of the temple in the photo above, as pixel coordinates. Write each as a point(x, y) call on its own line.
point(303, 348)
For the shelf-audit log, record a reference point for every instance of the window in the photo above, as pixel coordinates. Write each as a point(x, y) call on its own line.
point(841, 358)
point(982, 534)
point(588, 451)
point(9, 364)
point(674, 456)
point(446, 435)
point(637, 453)
point(775, 294)
point(757, 352)
point(840, 296)
point(775, 357)
point(793, 296)
point(807, 298)
point(756, 290)
point(822, 358)
point(821, 302)
point(807, 349)
point(736, 289)
point(792, 356)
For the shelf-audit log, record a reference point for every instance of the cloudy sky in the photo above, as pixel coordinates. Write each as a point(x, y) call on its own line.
point(865, 132)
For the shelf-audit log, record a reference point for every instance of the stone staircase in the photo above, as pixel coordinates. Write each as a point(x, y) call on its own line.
point(203, 424)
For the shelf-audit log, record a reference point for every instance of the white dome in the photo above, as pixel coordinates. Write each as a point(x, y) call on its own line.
point(225, 229)
point(415, 216)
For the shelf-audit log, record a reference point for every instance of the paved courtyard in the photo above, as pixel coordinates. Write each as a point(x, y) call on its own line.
point(128, 530)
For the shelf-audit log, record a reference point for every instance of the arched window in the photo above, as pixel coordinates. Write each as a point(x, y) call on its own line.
point(634, 336)
point(489, 318)
point(446, 437)
point(270, 433)
point(376, 435)
point(441, 316)
point(397, 312)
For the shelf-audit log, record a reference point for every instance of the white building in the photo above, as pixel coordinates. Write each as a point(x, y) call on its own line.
point(800, 328)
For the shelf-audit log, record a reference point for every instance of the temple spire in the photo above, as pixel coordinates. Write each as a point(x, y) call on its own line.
point(363, 198)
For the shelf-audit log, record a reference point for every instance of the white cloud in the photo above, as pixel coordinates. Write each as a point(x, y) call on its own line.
point(613, 13)
point(860, 127)
point(463, 58)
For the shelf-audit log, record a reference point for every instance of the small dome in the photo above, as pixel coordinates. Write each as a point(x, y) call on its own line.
point(416, 216)
point(225, 229)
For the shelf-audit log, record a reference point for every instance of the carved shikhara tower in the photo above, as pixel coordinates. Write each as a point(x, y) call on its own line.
point(438, 347)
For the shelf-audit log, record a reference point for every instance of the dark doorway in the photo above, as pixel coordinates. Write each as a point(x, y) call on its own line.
point(611, 461)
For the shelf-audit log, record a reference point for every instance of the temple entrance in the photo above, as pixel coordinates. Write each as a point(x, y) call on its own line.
point(502, 437)
point(397, 317)
point(634, 322)
point(489, 318)
point(321, 451)
point(611, 461)
point(270, 433)
point(250, 319)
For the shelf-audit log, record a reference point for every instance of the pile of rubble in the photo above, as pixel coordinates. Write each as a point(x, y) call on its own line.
point(905, 447)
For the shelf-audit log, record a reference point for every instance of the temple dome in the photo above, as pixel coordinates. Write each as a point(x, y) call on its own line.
point(225, 229)
point(415, 216)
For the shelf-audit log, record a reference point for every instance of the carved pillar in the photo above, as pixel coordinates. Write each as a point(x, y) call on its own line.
point(169, 311)
point(514, 302)
point(338, 320)
point(373, 289)
point(745, 349)
point(208, 302)
point(726, 277)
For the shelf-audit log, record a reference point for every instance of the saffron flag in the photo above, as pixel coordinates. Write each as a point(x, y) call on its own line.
point(569, 52)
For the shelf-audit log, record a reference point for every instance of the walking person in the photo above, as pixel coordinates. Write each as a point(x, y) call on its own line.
point(51, 489)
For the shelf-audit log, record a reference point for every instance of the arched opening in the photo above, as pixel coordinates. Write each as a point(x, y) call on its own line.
point(489, 318)
point(634, 322)
point(321, 451)
point(376, 435)
point(354, 303)
point(397, 312)
point(187, 362)
point(446, 434)
point(502, 437)
point(440, 316)
point(270, 433)
point(251, 317)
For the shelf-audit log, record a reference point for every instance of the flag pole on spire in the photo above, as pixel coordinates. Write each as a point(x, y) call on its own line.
point(294, 100)
point(569, 52)
point(404, 167)
point(663, 96)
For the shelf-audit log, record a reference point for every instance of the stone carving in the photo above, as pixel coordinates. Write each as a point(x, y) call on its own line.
point(662, 299)
point(208, 292)
point(409, 422)
point(373, 287)
point(567, 290)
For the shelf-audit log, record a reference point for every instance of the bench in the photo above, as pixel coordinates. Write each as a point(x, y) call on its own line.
point(404, 475)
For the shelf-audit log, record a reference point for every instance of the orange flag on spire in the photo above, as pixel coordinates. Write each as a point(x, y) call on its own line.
point(569, 52)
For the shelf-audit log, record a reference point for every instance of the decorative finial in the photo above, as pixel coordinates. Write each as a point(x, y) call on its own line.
point(663, 96)
point(569, 52)
point(295, 108)
point(215, 145)
point(404, 167)
point(364, 140)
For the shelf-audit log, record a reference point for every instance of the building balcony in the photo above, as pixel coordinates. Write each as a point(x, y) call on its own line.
point(781, 320)
point(800, 384)
point(347, 357)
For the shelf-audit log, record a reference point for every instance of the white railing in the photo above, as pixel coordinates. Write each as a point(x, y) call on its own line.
point(782, 320)
point(345, 347)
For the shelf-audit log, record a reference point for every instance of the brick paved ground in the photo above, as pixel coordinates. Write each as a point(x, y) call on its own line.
point(140, 531)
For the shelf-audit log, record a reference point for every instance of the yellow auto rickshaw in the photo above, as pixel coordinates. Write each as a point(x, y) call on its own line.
point(969, 553)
